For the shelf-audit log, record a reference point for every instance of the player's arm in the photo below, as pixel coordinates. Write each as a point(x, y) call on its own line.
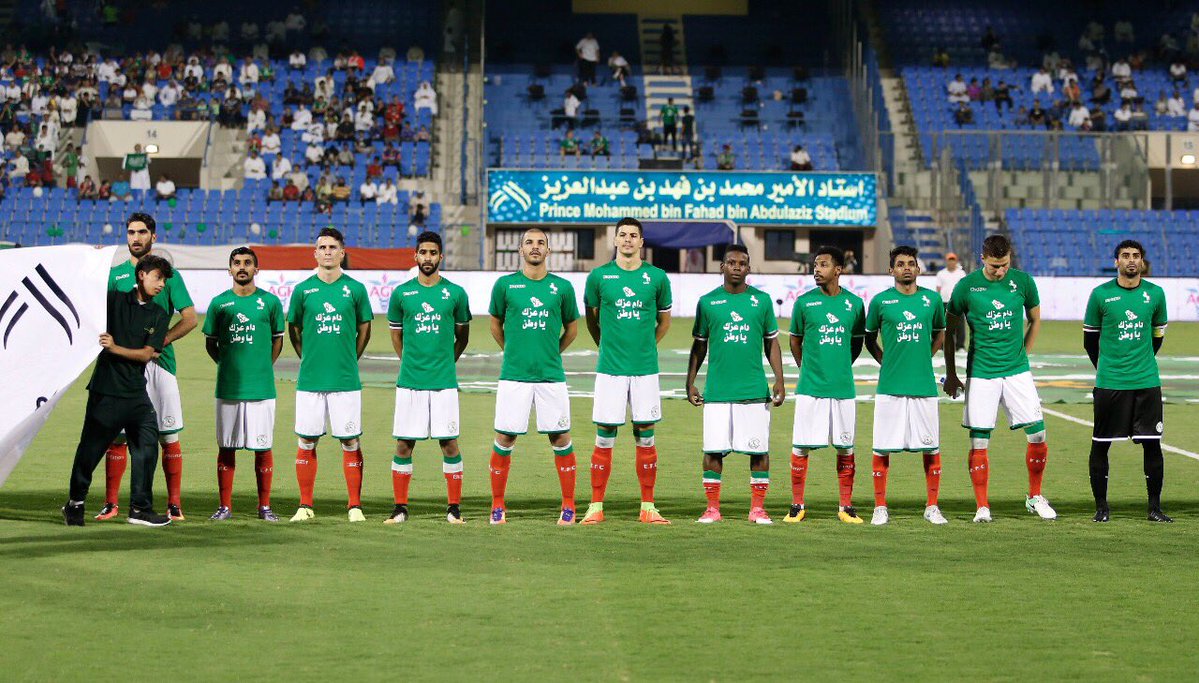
point(1034, 328)
point(876, 351)
point(797, 349)
point(953, 384)
point(699, 351)
point(775, 354)
point(461, 339)
point(296, 334)
point(497, 331)
point(939, 343)
point(276, 347)
point(143, 355)
point(662, 327)
point(364, 336)
point(213, 347)
point(569, 331)
point(187, 323)
point(1092, 321)
point(593, 327)
point(855, 347)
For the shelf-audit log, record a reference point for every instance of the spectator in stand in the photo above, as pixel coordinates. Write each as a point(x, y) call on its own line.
point(1041, 82)
point(47, 140)
point(291, 193)
point(588, 52)
point(956, 90)
point(256, 120)
point(964, 115)
point(271, 142)
point(1128, 92)
point(425, 98)
point(1072, 92)
point(406, 133)
point(620, 67)
point(142, 109)
point(666, 45)
point(18, 168)
point(600, 147)
point(164, 188)
point(989, 40)
point(15, 139)
point(104, 193)
point(248, 75)
point(280, 167)
point(1101, 93)
point(388, 194)
point(375, 168)
point(1121, 71)
point(1140, 120)
point(121, 192)
point(687, 132)
point(1003, 95)
point(986, 93)
point(800, 159)
point(1193, 119)
point(297, 61)
point(275, 194)
point(87, 188)
point(726, 161)
point(362, 145)
point(568, 145)
point(851, 262)
point(570, 108)
point(423, 135)
point(1098, 120)
point(974, 90)
point(368, 191)
point(301, 119)
point(1176, 106)
point(314, 154)
point(341, 191)
point(382, 73)
point(1178, 73)
point(1123, 117)
point(391, 155)
point(345, 156)
point(254, 167)
point(1080, 117)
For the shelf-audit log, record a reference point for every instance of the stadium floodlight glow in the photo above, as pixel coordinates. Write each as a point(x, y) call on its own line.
point(1187, 159)
point(153, 149)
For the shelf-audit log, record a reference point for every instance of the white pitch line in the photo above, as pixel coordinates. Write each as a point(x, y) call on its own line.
point(1086, 423)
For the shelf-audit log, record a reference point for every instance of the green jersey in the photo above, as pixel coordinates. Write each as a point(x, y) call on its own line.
point(328, 315)
point(995, 313)
point(1122, 317)
point(907, 324)
point(428, 317)
point(734, 325)
point(533, 313)
point(827, 325)
point(670, 114)
point(136, 162)
point(173, 297)
point(629, 302)
point(245, 328)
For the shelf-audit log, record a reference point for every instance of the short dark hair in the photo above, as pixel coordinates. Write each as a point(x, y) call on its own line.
point(629, 220)
point(735, 249)
point(835, 253)
point(151, 262)
point(333, 232)
point(429, 236)
point(242, 251)
point(903, 250)
point(142, 217)
point(996, 246)
point(1128, 244)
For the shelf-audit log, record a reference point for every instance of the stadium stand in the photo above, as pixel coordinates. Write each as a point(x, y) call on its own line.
point(1077, 243)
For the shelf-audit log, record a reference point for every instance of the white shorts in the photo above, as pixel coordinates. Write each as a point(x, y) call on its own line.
point(343, 410)
point(906, 423)
point(421, 414)
point(821, 422)
point(514, 400)
point(613, 393)
point(741, 427)
point(163, 389)
point(1017, 394)
point(248, 425)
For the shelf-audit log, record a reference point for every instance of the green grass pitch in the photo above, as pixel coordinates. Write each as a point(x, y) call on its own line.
point(1019, 599)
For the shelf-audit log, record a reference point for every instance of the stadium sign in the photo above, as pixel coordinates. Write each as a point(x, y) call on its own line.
point(748, 198)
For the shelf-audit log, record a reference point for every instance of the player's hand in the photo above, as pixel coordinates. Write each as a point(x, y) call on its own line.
point(106, 340)
point(694, 397)
point(953, 386)
point(779, 394)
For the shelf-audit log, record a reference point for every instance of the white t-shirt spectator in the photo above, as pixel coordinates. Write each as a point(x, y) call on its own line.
point(1079, 116)
point(256, 120)
point(255, 168)
point(297, 60)
point(588, 49)
point(141, 109)
point(956, 90)
point(165, 188)
point(14, 139)
point(1123, 115)
point(1176, 106)
point(368, 190)
point(571, 105)
point(280, 168)
point(1042, 82)
point(947, 279)
point(39, 104)
point(1193, 120)
point(314, 153)
point(271, 143)
point(68, 107)
point(301, 119)
point(168, 95)
point(314, 134)
point(800, 157)
point(383, 73)
point(425, 98)
point(388, 194)
point(1121, 70)
point(223, 69)
point(249, 74)
point(364, 121)
point(193, 70)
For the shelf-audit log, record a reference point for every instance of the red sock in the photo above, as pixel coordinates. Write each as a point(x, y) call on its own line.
point(647, 471)
point(115, 462)
point(1036, 456)
point(306, 474)
point(712, 491)
point(499, 476)
point(351, 465)
point(264, 472)
point(845, 472)
point(601, 469)
point(881, 463)
point(399, 486)
point(226, 464)
point(979, 471)
point(932, 476)
point(757, 494)
point(799, 477)
point(567, 467)
point(453, 487)
point(172, 467)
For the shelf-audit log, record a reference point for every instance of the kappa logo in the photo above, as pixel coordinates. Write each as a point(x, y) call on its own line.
point(510, 191)
point(329, 308)
point(261, 304)
point(37, 290)
point(1131, 315)
point(426, 307)
point(241, 318)
point(553, 288)
point(997, 304)
point(735, 316)
point(909, 315)
point(645, 278)
point(832, 318)
point(1146, 295)
point(629, 292)
point(536, 301)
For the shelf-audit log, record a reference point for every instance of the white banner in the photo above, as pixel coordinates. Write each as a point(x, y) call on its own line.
point(52, 311)
point(1061, 298)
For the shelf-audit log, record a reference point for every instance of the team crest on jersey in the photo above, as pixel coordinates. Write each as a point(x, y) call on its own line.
point(329, 308)
point(755, 444)
point(1131, 315)
point(753, 299)
point(645, 278)
point(1012, 284)
point(655, 413)
point(845, 437)
point(563, 422)
point(345, 291)
point(735, 316)
point(262, 439)
point(169, 421)
point(629, 292)
point(1146, 295)
point(445, 293)
point(261, 304)
point(927, 440)
point(452, 426)
point(998, 305)
point(553, 288)
point(536, 301)
point(351, 426)
point(924, 298)
point(909, 315)
point(832, 318)
point(848, 305)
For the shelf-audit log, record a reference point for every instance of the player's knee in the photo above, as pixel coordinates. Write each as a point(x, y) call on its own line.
point(979, 443)
point(799, 452)
point(644, 436)
point(1035, 432)
point(306, 444)
point(505, 441)
point(165, 439)
point(349, 445)
point(605, 437)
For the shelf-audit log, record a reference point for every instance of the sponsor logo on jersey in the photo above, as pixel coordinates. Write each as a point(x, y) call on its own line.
point(717, 302)
point(997, 304)
point(832, 318)
point(909, 315)
point(122, 276)
point(241, 318)
point(411, 293)
point(309, 291)
point(735, 316)
point(1131, 315)
point(1012, 284)
point(516, 286)
point(848, 305)
point(813, 303)
point(345, 291)
point(611, 277)
point(426, 307)
point(629, 292)
point(227, 304)
point(1111, 299)
point(978, 289)
point(645, 278)
point(924, 298)
point(890, 301)
point(536, 301)
point(329, 308)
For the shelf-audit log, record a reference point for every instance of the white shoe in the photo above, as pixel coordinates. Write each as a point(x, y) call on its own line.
point(932, 513)
point(356, 515)
point(983, 515)
point(303, 514)
point(1039, 505)
point(881, 516)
